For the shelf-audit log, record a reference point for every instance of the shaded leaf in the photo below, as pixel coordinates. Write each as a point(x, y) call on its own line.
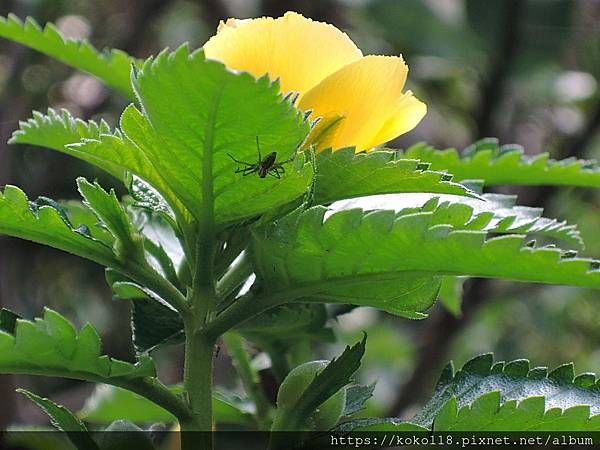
point(8, 320)
point(154, 324)
point(512, 396)
point(153, 321)
point(286, 324)
point(51, 346)
point(367, 258)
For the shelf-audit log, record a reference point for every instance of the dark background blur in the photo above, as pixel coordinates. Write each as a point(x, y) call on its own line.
point(525, 71)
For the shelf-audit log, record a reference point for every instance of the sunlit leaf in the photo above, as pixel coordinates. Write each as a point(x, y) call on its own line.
point(112, 67)
point(495, 164)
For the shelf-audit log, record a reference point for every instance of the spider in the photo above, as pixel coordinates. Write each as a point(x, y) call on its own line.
point(263, 167)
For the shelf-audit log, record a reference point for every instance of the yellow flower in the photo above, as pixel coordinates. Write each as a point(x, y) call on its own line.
point(358, 98)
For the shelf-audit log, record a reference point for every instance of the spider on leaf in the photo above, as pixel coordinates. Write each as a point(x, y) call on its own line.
point(263, 167)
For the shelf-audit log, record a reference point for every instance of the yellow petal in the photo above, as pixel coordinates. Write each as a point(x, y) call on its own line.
point(368, 94)
point(298, 51)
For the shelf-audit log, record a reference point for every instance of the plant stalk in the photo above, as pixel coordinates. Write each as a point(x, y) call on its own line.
point(198, 383)
point(199, 348)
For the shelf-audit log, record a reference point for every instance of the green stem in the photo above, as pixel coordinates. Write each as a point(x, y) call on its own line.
point(249, 377)
point(199, 348)
point(198, 383)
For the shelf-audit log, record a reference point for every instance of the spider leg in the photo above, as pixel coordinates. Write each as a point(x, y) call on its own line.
point(248, 171)
point(278, 168)
point(274, 172)
point(258, 148)
point(287, 161)
point(238, 161)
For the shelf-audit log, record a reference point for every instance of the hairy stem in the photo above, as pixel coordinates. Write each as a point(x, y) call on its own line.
point(199, 348)
point(198, 383)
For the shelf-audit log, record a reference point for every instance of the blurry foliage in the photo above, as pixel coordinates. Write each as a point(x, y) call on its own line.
point(549, 98)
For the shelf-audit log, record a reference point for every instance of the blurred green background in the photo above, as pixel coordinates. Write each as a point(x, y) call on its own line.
point(525, 71)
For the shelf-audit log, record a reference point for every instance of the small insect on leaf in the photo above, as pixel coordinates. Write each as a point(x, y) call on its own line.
point(263, 167)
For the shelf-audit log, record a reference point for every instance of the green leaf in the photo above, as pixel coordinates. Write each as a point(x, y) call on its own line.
point(109, 403)
point(496, 164)
point(356, 397)
point(112, 67)
point(500, 396)
point(495, 213)
point(96, 144)
point(86, 221)
point(162, 262)
point(330, 380)
point(128, 244)
point(153, 321)
point(56, 130)
point(154, 324)
point(161, 242)
point(51, 346)
point(64, 420)
point(46, 225)
point(343, 174)
point(146, 197)
point(381, 259)
point(213, 112)
point(199, 166)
